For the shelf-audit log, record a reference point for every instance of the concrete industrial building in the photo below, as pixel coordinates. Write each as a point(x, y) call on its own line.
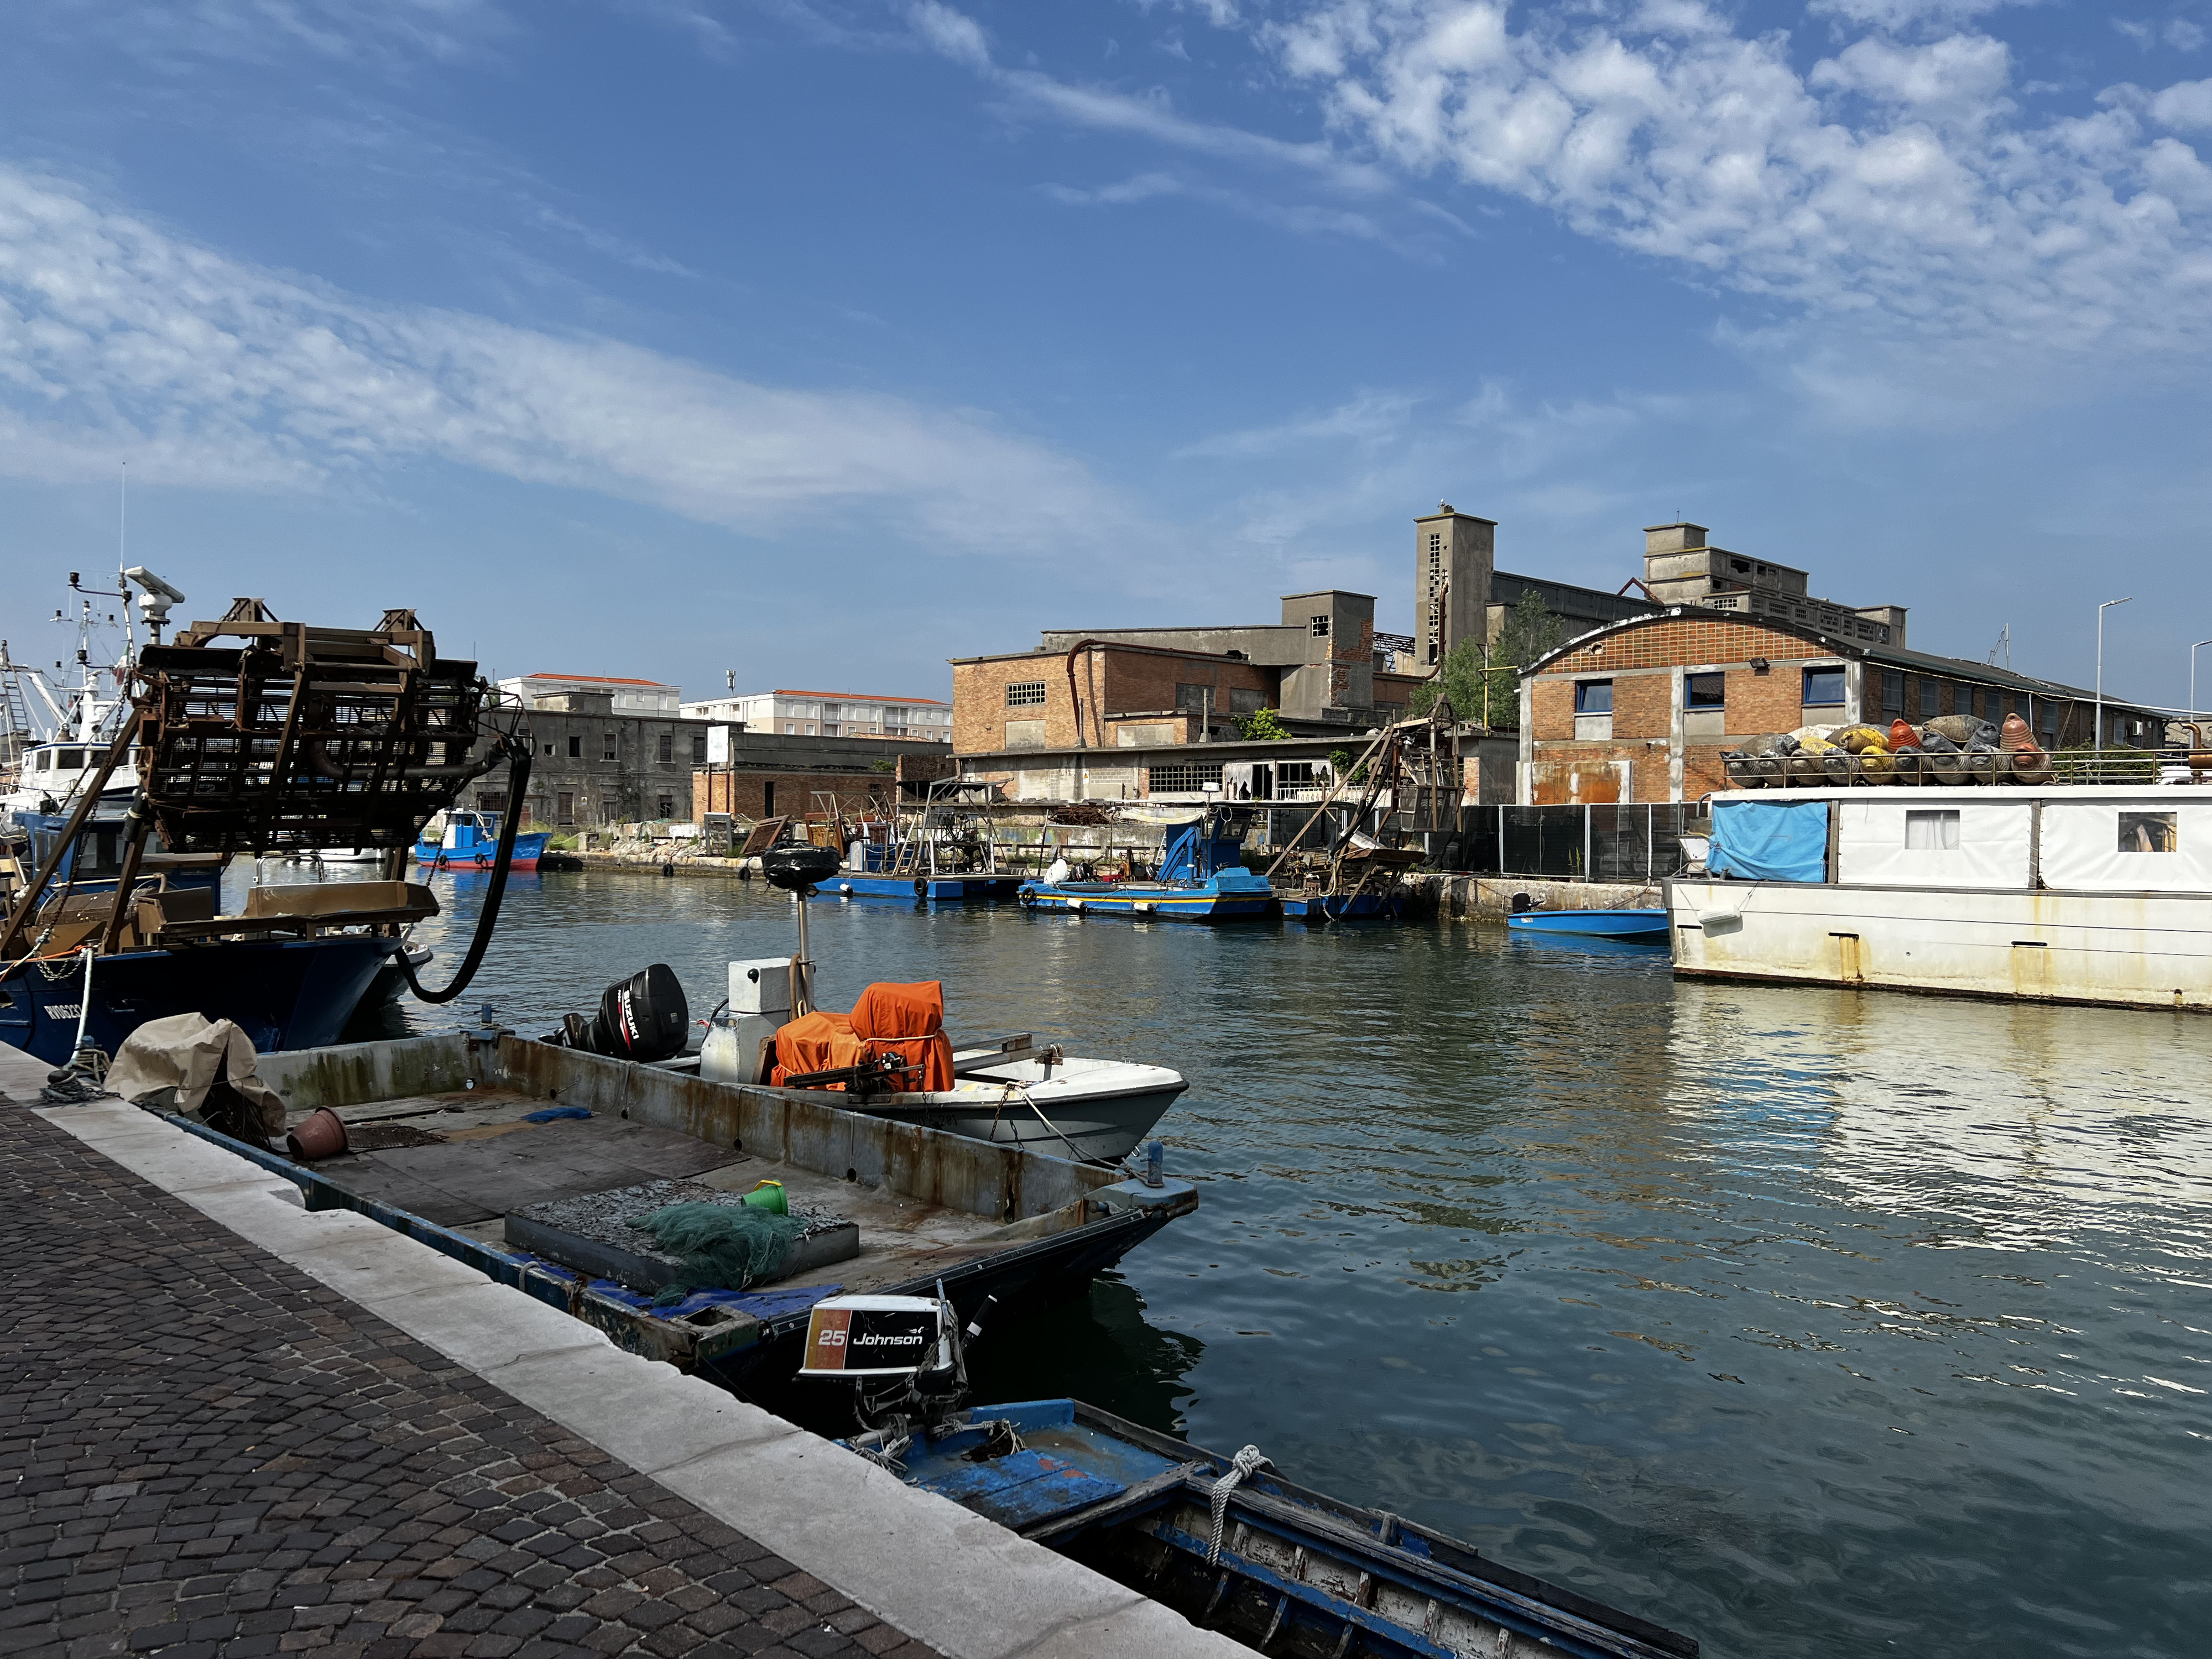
point(593, 765)
point(830, 714)
point(625, 696)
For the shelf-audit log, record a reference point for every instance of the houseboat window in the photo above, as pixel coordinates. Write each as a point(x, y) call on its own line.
point(1706, 690)
point(1025, 693)
point(1893, 694)
point(1593, 696)
point(1824, 685)
point(2149, 832)
point(1932, 832)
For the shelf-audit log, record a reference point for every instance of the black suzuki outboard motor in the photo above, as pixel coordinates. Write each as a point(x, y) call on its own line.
point(643, 1017)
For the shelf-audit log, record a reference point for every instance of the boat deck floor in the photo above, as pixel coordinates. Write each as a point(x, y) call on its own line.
point(487, 1161)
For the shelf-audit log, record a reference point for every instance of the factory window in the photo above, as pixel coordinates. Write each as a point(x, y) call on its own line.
point(1932, 832)
point(1181, 778)
point(1893, 694)
point(548, 748)
point(1593, 696)
point(1436, 548)
point(1706, 690)
point(768, 798)
point(665, 807)
point(1824, 686)
point(1022, 694)
point(610, 746)
point(2149, 832)
point(1929, 698)
point(698, 748)
point(667, 750)
point(575, 751)
point(565, 807)
point(1318, 627)
point(791, 728)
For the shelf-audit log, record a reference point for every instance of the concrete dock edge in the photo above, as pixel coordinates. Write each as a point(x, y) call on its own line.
point(964, 1585)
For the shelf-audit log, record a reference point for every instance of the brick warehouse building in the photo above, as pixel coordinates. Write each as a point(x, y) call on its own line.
point(1643, 709)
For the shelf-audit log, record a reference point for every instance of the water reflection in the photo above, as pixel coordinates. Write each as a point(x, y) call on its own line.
point(1806, 1320)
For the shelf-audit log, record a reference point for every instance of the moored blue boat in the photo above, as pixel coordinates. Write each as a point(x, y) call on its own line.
point(1648, 926)
point(1202, 879)
point(469, 841)
point(847, 883)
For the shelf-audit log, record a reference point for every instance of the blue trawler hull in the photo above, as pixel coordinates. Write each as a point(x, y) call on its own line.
point(934, 889)
point(283, 993)
point(1343, 907)
point(1205, 901)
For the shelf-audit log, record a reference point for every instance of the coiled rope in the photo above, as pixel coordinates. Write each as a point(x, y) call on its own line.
point(1246, 1463)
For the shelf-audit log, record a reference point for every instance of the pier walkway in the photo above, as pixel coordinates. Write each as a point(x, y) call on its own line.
point(231, 1429)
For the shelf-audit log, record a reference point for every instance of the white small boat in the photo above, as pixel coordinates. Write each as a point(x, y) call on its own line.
point(1096, 1110)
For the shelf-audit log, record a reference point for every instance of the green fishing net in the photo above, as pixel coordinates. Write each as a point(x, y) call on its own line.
point(724, 1246)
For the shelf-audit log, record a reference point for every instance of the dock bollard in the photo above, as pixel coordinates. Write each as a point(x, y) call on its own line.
point(1155, 1157)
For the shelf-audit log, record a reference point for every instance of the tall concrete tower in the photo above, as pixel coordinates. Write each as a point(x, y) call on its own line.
point(1453, 555)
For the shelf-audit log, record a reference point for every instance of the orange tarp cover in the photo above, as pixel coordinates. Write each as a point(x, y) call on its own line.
point(819, 1042)
point(907, 1020)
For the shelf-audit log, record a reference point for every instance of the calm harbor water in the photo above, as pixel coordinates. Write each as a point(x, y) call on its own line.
point(1807, 1322)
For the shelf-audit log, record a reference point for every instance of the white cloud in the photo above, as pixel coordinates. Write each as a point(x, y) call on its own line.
point(2185, 107)
point(1299, 218)
point(118, 341)
point(1897, 16)
point(383, 32)
point(1892, 185)
point(955, 34)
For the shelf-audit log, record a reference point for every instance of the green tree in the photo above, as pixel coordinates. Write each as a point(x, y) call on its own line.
point(1483, 688)
point(1261, 726)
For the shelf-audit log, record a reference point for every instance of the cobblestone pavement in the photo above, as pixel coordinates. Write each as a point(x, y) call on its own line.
point(203, 1453)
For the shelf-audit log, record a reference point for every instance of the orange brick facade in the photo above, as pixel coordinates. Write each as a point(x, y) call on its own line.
point(1654, 734)
point(785, 794)
point(1113, 681)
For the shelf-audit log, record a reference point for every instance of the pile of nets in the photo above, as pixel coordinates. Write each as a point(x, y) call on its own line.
point(723, 1246)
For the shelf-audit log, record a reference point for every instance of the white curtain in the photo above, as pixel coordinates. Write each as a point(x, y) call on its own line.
point(2153, 845)
point(1970, 844)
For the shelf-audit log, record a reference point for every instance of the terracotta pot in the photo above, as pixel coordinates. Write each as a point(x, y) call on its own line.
point(322, 1134)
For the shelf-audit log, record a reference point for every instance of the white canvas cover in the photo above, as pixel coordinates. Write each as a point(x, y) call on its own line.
point(2082, 850)
point(187, 1052)
point(1917, 843)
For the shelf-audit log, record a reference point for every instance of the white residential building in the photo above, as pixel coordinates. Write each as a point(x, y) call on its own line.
point(630, 696)
point(831, 715)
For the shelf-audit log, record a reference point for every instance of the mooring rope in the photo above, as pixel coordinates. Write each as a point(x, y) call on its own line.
point(1245, 1464)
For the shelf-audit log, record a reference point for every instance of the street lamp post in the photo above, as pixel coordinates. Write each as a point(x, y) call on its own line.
point(2099, 736)
point(2192, 676)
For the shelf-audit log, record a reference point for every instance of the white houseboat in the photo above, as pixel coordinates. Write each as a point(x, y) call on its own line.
point(2094, 894)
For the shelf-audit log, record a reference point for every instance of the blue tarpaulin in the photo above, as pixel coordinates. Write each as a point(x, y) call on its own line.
point(1781, 841)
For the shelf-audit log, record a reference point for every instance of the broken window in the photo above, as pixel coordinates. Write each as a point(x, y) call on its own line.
point(2149, 832)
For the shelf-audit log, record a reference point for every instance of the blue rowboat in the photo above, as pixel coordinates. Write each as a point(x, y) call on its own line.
point(1236, 1548)
point(1647, 925)
point(1342, 906)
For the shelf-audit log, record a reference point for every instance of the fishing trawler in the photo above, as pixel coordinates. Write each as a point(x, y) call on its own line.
point(1201, 878)
point(455, 840)
point(293, 737)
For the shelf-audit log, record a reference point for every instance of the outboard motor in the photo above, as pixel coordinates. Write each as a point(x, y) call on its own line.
point(643, 1017)
point(796, 867)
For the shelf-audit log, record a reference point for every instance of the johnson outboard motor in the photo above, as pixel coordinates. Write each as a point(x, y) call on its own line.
point(643, 1017)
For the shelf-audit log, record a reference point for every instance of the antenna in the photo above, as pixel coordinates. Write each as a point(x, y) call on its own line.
point(2002, 649)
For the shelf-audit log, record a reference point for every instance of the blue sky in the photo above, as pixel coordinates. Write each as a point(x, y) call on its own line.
point(821, 342)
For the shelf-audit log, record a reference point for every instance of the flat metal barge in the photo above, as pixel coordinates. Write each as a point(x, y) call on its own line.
point(444, 1152)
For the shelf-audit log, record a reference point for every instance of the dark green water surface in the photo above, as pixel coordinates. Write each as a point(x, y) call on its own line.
point(1807, 1322)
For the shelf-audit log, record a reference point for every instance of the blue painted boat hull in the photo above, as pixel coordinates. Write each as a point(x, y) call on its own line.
point(1358, 907)
point(283, 993)
point(483, 854)
point(1649, 925)
point(1206, 901)
point(936, 890)
point(1296, 1572)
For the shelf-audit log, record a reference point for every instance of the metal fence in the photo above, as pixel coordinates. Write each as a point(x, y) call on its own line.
point(1631, 843)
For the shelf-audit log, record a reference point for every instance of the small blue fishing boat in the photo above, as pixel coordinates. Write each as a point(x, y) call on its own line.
point(1646, 927)
point(924, 888)
point(1343, 907)
point(1202, 879)
point(469, 841)
point(1226, 1541)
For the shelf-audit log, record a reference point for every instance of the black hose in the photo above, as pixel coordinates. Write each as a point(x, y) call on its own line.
point(518, 781)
